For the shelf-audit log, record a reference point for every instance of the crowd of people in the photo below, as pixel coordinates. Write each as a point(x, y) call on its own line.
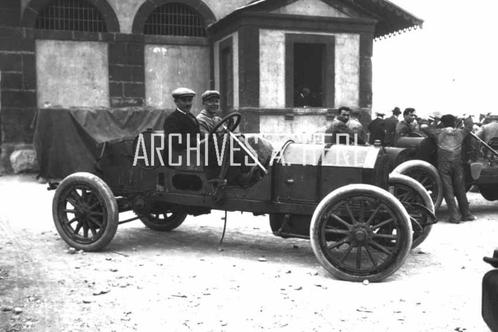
point(447, 141)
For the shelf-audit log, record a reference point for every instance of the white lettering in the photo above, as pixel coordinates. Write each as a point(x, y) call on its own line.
point(170, 150)
point(157, 150)
point(219, 157)
point(141, 145)
point(197, 150)
point(249, 161)
point(233, 148)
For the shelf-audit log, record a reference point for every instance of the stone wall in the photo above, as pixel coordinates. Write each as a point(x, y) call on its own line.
point(17, 90)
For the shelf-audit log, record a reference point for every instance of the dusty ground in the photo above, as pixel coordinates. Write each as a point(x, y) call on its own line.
point(181, 281)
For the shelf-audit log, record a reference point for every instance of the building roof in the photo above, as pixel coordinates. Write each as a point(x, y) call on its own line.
point(391, 19)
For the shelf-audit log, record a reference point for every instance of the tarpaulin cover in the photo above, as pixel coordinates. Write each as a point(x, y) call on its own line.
point(70, 140)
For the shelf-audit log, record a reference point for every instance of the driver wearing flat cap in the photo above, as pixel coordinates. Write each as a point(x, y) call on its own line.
point(208, 117)
point(181, 121)
point(182, 128)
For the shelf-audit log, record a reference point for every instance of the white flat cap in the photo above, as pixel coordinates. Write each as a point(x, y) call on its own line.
point(183, 92)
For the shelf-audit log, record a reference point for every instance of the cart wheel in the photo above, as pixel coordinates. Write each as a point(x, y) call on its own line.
point(427, 175)
point(489, 192)
point(346, 238)
point(85, 212)
point(163, 221)
point(412, 194)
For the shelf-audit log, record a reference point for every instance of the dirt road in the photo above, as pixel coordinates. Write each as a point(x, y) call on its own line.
point(183, 281)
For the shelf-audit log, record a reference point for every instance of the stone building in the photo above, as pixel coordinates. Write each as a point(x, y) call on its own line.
point(285, 64)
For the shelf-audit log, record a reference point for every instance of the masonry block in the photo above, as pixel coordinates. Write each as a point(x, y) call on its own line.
point(10, 62)
point(17, 125)
point(11, 81)
point(18, 98)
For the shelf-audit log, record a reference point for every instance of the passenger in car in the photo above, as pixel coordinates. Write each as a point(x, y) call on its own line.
point(208, 117)
point(183, 129)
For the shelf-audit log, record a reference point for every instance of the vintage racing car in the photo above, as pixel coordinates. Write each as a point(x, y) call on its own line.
point(361, 221)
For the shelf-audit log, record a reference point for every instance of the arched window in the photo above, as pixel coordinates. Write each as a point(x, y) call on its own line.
point(175, 19)
point(74, 15)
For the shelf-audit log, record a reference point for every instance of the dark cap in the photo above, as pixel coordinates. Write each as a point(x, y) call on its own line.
point(396, 111)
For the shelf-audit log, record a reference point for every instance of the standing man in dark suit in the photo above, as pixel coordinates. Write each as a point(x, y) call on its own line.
point(390, 126)
point(377, 129)
point(181, 122)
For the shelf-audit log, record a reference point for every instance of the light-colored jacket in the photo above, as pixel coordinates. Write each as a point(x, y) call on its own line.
point(207, 122)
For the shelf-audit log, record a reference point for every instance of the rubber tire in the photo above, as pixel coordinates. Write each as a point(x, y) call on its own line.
point(489, 192)
point(178, 218)
point(111, 205)
point(414, 184)
point(335, 196)
point(403, 168)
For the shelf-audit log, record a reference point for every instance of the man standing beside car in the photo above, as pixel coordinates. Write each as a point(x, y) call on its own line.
point(390, 126)
point(449, 141)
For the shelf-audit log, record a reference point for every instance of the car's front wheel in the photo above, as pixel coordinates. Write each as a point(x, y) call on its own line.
point(85, 211)
point(348, 234)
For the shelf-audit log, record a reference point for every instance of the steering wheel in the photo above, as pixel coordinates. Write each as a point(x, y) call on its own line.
point(232, 125)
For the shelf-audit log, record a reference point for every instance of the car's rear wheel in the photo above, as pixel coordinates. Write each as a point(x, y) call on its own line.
point(346, 234)
point(413, 196)
point(85, 212)
point(427, 175)
point(163, 221)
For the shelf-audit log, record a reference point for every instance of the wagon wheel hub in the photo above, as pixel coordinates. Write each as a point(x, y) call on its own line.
point(82, 210)
point(360, 235)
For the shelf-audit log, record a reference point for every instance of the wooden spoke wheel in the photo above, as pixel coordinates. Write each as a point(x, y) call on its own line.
point(427, 175)
point(413, 195)
point(347, 238)
point(85, 212)
point(163, 221)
